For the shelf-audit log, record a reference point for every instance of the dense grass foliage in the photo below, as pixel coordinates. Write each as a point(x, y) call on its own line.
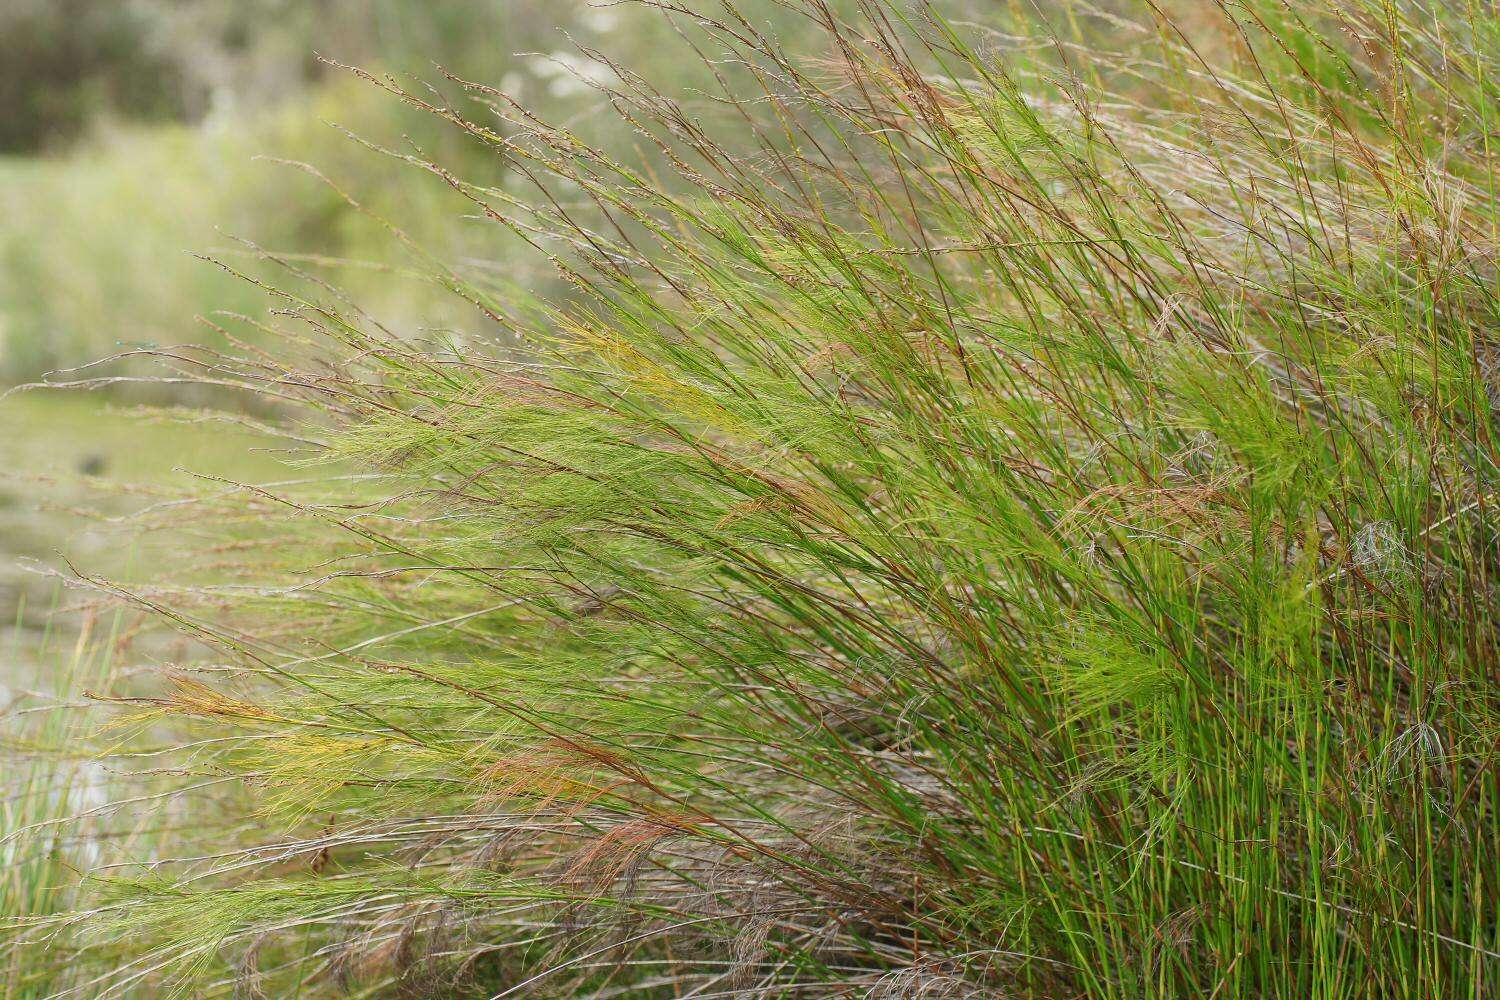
point(1026, 527)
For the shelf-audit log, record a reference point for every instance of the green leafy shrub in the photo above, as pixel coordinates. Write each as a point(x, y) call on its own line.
point(1023, 528)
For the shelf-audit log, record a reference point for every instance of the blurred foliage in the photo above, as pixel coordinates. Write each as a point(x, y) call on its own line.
point(65, 65)
point(62, 62)
point(97, 255)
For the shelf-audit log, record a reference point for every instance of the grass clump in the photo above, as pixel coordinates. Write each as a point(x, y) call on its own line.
point(1004, 509)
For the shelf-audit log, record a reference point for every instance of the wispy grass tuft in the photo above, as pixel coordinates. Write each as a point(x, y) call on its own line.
point(1005, 509)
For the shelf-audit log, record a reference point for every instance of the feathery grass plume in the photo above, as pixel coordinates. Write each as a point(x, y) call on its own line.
point(1005, 509)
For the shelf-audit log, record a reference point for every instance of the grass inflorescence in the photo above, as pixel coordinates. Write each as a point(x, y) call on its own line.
point(1004, 509)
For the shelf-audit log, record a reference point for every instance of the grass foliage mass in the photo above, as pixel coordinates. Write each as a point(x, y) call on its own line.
point(997, 509)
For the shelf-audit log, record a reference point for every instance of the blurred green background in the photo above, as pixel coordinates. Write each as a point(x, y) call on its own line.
point(136, 134)
point(130, 132)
